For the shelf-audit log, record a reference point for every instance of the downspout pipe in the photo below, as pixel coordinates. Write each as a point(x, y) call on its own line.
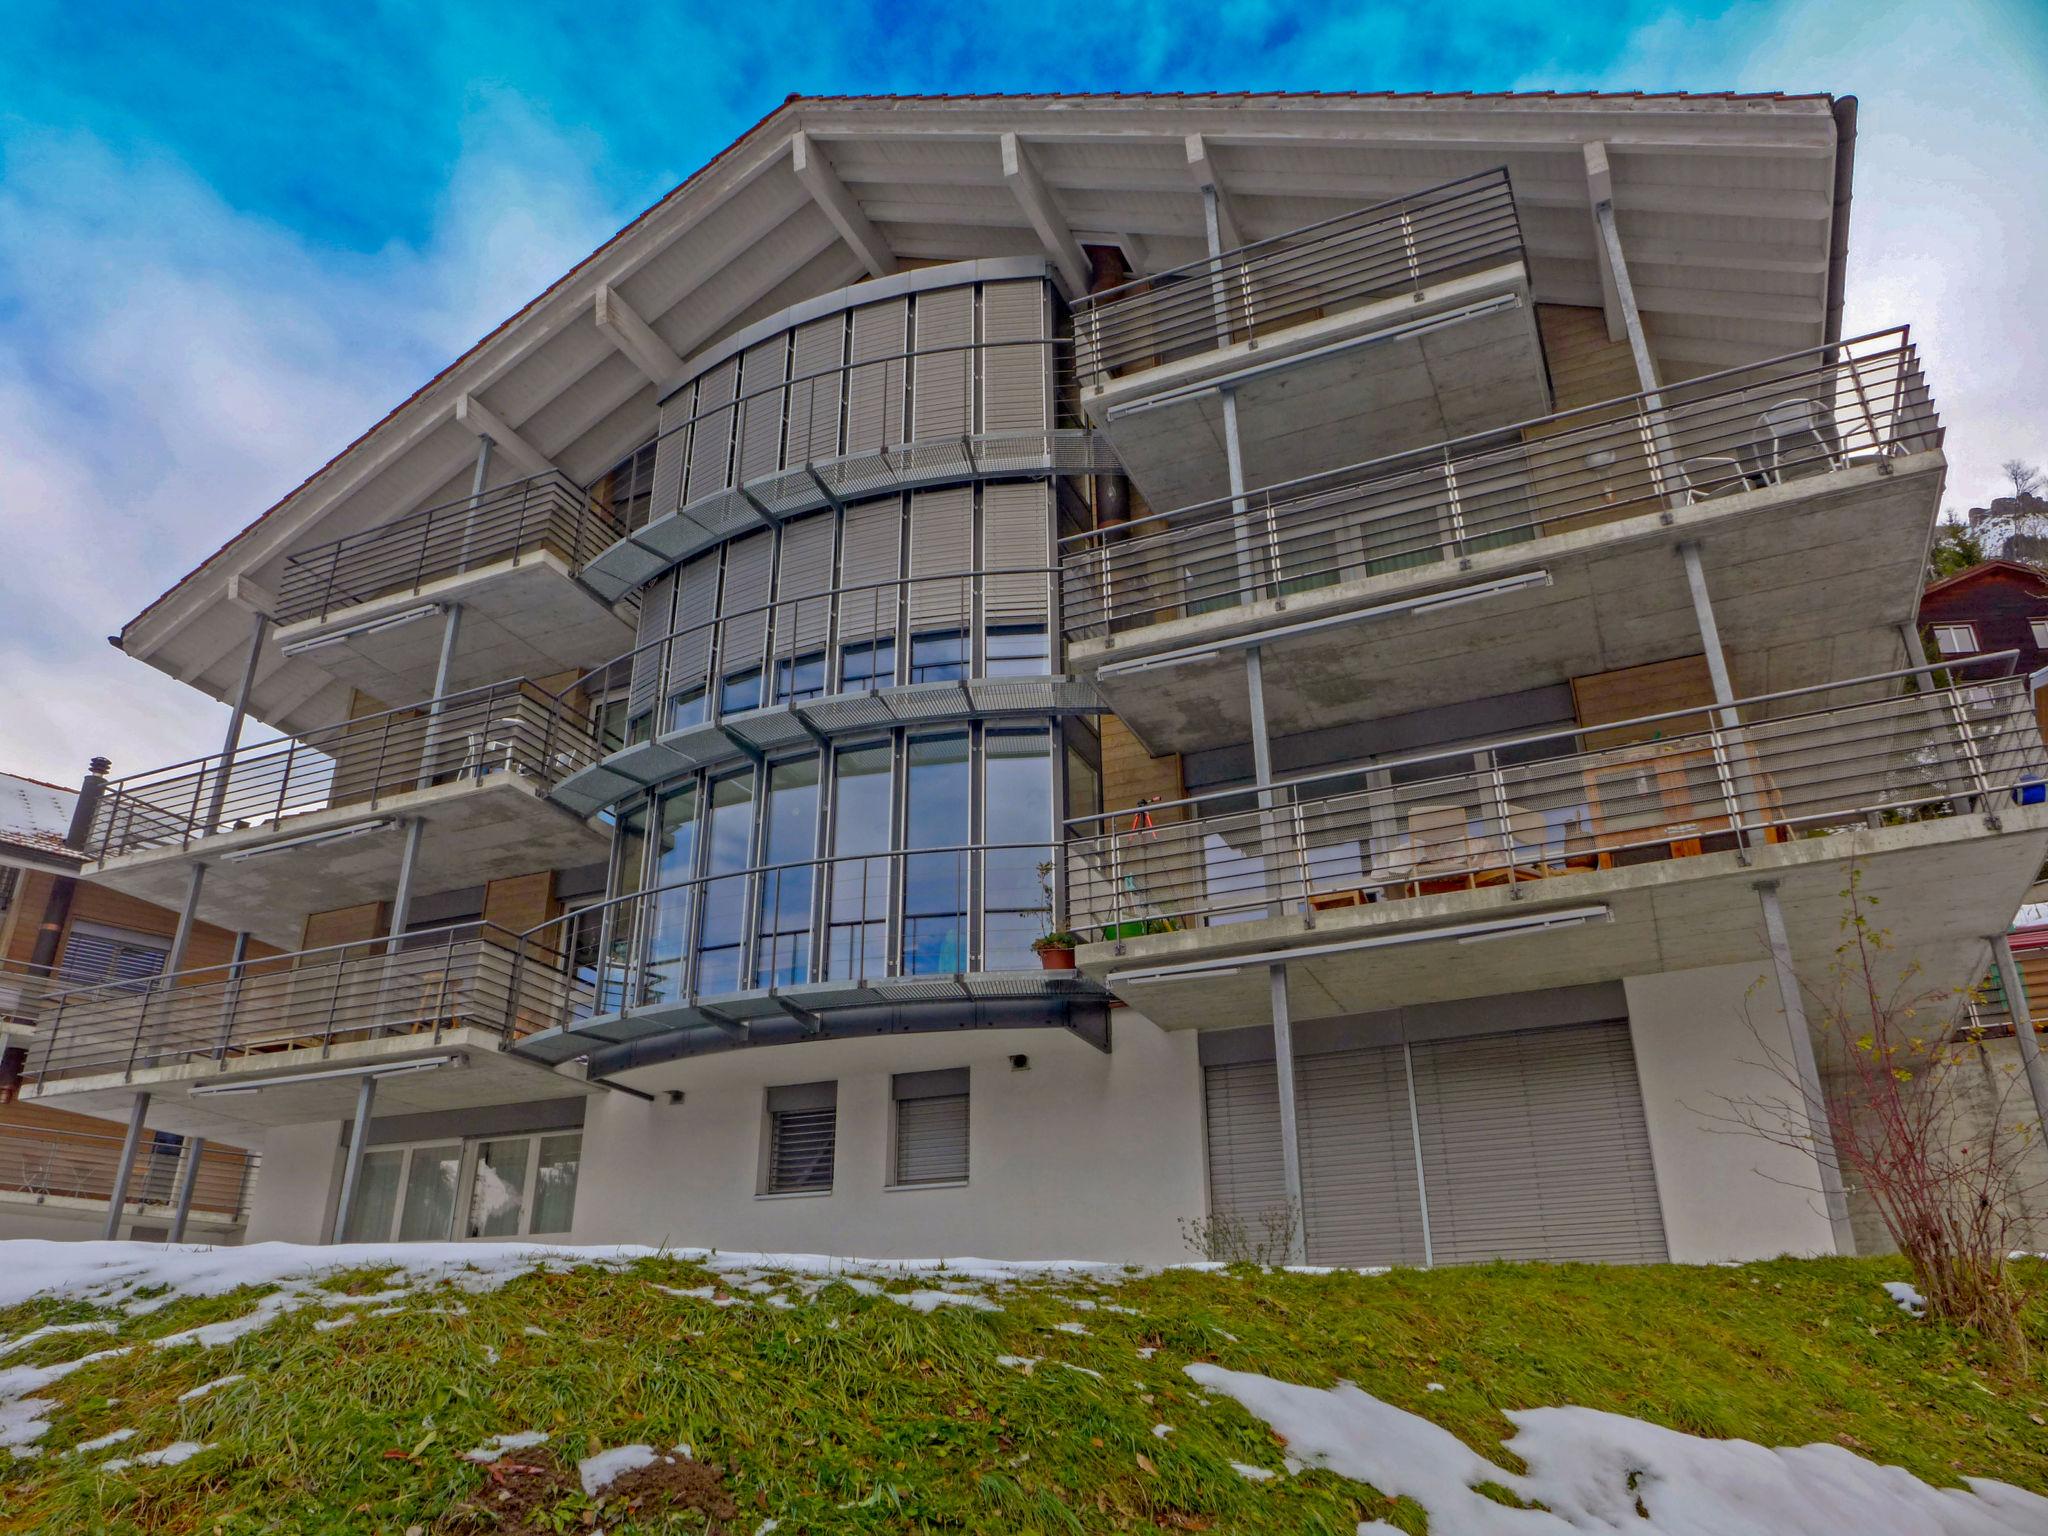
point(1838, 221)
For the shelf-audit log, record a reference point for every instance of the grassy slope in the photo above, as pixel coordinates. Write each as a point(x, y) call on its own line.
point(851, 1400)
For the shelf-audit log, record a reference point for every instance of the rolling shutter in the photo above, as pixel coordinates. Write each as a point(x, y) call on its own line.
point(817, 379)
point(1242, 1113)
point(711, 438)
point(672, 451)
point(941, 544)
point(1358, 1159)
point(803, 612)
point(802, 1132)
point(689, 658)
point(95, 955)
point(942, 389)
point(1534, 1146)
point(869, 564)
point(655, 601)
point(931, 1126)
point(1016, 534)
point(1016, 390)
point(874, 392)
point(749, 567)
point(760, 428)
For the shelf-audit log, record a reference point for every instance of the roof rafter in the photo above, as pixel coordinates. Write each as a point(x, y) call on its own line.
point(472, 413)
point(838, 204)
point(1036, 199)
point(1202, 166)
point(621, 325)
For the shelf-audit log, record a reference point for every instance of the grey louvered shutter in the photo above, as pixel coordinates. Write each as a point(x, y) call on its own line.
point(764, 368)
point(749, 568)
point(802, 1136)
point(941, 388)
point(1017, 534)
point(1017, 387)
point(93, 956)
point(931, 1126)
point(711, 438)
point(869, 566)
point(1358, 1158)
point(1241, 1105)
point(803, 611)
point(874, 388)
point(672, 451)
point(817, 382)
point(1534, 1146)
point(689, 658)
point(656, 599)
point(942, 546)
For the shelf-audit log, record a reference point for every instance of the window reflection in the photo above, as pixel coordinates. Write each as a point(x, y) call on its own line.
point(857, 939)
point(722, 924)
point(935, 885)
point(782, 948)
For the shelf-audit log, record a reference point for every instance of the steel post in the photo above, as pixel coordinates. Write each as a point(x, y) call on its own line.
point(1806, 1070)
point(131, 1144)
point(2022, 1015)
point(188, 1176)
point(352, 1170)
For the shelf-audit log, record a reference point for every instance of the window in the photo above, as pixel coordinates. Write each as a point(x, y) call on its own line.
point(2040, 632)
point(800, 678)
point(935, 884)
point(858, 914)
point(740, 691)
point(1016, 890)
point(627, 489)
point(867, 666)
point(1955, 639)
point(931, 1127)
point(938, 658)
point(782, 947)
point(686, 708)
point(93, 955)
point(802, 1130)
point(667, 911)
point(722, 915)
point(1018, 650)
point(500, 1186)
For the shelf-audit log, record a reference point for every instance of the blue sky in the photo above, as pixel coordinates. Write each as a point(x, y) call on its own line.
point(232, 235)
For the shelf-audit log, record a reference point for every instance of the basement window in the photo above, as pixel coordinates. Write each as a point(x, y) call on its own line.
point(803, 1129)
point(1955, 639)
point(931, 1127)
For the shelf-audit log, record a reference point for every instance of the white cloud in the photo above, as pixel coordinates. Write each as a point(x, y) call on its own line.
point(170, 366)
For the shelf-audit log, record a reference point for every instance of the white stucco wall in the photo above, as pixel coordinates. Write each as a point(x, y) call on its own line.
point(297, 1185)
point(61, 1219)
point(1082, 1156)
point(1725, 1194)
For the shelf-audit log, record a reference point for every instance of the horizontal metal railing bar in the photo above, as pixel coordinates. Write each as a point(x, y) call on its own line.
point(1597, 414)
point(469, 975)
point(1204, 264)
point(1563, 733)
point(1485, 821)
point(57, 1162)
point(516, 725)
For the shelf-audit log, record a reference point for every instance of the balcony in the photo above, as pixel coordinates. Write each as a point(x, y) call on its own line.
point(1406, 322)
point(312, 823)
point(1516, 558)
point(890, 942)
point(511, 557)
point(67, 1176)
point(231, 1050)
point(1643, 838)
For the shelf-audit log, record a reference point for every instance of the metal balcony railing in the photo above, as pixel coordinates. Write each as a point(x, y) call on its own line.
point(62, 1163)
point(1798, 418)
point(547, 513)
point(853, 638)
point(937, 912)
point(510, 727)
point(462, 976)
point(1527, 808)
point(1397, 247)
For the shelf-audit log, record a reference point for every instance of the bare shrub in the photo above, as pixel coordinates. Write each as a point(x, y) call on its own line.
point(1265, 1237)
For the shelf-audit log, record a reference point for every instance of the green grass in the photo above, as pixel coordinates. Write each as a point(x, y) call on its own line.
point(851, 1413)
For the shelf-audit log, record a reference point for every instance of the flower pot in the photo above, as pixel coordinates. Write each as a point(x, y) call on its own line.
point(1056, 959)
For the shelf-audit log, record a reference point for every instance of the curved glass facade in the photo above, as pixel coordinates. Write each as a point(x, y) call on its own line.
point(905, 825)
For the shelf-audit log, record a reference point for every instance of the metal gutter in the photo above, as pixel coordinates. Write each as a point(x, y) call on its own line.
point(1838, 221)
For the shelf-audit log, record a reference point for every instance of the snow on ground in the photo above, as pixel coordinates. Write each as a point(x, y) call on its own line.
point(164, 1456)
point(101, 1442)
point(1907, 1296)
point(206, 1387)
point(498, 1445)
point(1597, 1472)
point(51, 1331)
point(931, 1301)
point(600, 1471)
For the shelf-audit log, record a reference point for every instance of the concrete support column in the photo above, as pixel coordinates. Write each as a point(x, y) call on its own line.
point(1276, 975)
point(233, 740)
point(131, 1144)
point(1806, 1070)
point(2022, 1013)
point(188, 1176)
point(451, 630)
point(352, 1170)
point(476, 496)
point(1710, 634)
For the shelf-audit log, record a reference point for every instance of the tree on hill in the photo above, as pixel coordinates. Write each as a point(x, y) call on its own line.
point(1956, 548)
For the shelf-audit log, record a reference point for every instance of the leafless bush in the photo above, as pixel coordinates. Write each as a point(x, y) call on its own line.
point(1264, 1237)
point(1946, 1179)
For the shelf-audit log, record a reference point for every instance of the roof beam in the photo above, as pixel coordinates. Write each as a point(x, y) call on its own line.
point(621, 325)
point(472, 413)
point(1036, 199)
point(1202, 166)
point(1599, 191)
point(830, 194)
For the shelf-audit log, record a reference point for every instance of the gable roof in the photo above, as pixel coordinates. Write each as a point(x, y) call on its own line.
point(2020, 568)
point(35, 816)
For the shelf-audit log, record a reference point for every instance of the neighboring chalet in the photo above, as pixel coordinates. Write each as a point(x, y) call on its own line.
point(2000, 605)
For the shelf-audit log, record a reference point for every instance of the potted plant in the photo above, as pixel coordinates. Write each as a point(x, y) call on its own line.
point(1055, 950)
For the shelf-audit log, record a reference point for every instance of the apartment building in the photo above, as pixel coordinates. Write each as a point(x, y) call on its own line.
point(1422, 588)
point(65, 1174)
